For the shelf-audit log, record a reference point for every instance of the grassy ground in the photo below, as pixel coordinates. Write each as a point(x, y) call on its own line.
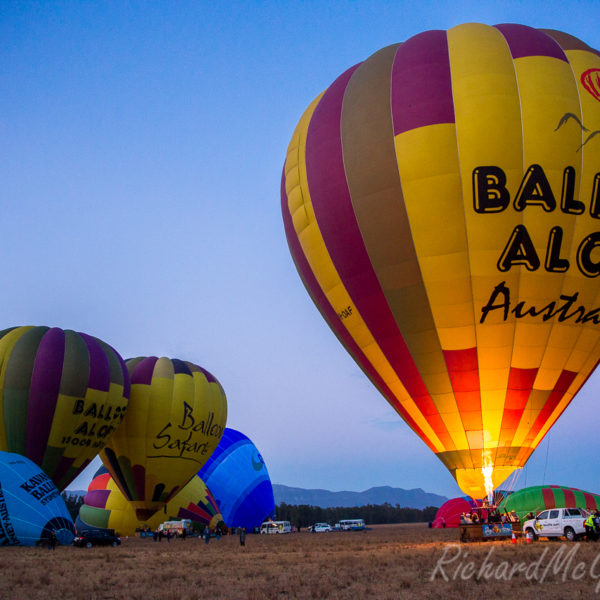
point(388, 562)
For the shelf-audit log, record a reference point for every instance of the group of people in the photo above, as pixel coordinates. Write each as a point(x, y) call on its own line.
point(592, 526)
point(490, 515)
point(159, 534)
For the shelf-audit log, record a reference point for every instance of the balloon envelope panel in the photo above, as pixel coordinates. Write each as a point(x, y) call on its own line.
point(62, 395)
point(105, 507)
point(537, 498)
point(441, 204)
point(176, 417)
point(30, 504)
point(238, 478)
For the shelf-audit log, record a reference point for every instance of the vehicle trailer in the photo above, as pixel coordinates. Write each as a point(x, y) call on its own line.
point(479, 532)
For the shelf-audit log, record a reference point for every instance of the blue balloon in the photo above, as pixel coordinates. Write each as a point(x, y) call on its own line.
point(237, 476)
point(30, 505)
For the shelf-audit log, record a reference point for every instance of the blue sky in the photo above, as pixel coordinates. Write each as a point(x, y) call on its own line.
point(142, 147)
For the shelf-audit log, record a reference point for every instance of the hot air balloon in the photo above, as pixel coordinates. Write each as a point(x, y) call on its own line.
point(448, 514)
point(62, 395)
point(237, 476)
point(176, 417)
point(441, 202)
point(538, 497)
point(105, 507)
point(30, 505)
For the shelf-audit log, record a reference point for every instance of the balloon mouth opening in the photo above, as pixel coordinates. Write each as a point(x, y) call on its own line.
point(480, 482)
point(143, 514)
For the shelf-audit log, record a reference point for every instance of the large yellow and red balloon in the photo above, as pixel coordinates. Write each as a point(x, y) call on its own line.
point(176, 417)
point(441, 202)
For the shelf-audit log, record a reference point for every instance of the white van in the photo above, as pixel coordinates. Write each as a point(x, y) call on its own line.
point(276, 527)
point(350, 525)
point(176, 527)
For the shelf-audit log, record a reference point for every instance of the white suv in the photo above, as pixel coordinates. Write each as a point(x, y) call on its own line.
point(321, 527)
point(557, 522)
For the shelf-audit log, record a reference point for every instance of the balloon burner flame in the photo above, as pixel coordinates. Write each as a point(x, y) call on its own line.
point(487, 471)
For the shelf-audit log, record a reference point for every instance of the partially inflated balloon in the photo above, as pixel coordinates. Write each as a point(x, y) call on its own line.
point(441, 201)
point(238, 478)
point(105, 507)
point(538, 497)
point(176, 417)
point(62, 395)
point(448, 514)
point(30, 505)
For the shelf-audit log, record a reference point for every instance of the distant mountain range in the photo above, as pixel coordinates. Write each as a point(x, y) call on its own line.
point(416, 498)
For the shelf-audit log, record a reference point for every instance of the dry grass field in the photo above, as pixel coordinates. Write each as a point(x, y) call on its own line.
point(388, 562)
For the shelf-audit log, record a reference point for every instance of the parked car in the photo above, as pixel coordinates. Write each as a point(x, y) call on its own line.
point(96, 537)
point(321, 527)
point(557, 522)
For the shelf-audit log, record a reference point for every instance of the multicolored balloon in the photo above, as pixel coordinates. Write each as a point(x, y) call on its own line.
point(176, 417)
point(30, 505)
point(441, 202)
point(539, 497)
point(105, 507)
point(238, 478)
point(62, 396)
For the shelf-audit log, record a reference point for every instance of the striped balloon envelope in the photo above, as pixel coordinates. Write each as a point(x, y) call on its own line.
point(538, 497)
point(441, 202)
point(63, 395)
point(105, 507)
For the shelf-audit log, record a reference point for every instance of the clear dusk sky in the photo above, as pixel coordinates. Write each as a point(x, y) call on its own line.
point(141, 150)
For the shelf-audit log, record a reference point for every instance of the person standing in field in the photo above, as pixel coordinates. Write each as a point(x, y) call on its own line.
point(242, 536)
point(206, 534)
point(53, 540)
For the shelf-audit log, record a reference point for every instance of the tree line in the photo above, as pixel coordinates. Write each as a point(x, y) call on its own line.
point(73, 503)
point(304, 515)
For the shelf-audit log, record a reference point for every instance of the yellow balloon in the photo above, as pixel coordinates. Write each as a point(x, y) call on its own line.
point(62, 396)
point(441, 201)
point(176, 416)
point(106, 507)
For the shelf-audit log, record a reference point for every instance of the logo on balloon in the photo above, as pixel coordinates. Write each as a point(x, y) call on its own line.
point(41, 488)
point(584, 129)
point(7, 533)
point(258, 464)
point(591, 82)
point(181, 444)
